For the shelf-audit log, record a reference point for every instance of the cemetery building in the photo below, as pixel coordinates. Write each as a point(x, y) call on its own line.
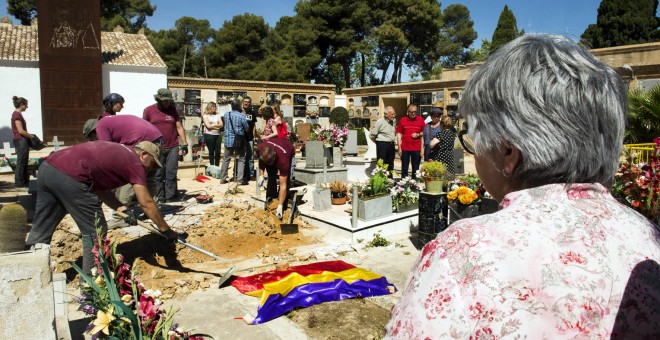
point(129, 66)
point(300, 102)
point(639, 65)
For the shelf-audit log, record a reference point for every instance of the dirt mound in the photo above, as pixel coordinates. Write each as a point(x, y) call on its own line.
point(230, 232)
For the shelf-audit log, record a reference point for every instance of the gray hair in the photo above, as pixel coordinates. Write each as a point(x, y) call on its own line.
point(564, 109)
point(236, 105)
point(387, 108)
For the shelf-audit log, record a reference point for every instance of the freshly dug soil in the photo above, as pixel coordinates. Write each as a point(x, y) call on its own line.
point(226, 231)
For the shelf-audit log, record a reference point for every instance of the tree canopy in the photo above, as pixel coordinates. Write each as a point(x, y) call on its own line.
point(622, 22)
point(506, 30)
point(129, 14)
point(356, 43)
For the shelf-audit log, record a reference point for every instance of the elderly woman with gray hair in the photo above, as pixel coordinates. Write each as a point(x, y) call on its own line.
point(561, 258)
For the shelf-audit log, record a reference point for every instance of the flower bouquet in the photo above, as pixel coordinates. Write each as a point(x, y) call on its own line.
point(331, 135)
point(637, 185)
point(120, 305)
point(405, 193)
point(462, 203)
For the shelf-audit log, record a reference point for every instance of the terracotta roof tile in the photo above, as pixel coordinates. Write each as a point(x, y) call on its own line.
point(19, 42)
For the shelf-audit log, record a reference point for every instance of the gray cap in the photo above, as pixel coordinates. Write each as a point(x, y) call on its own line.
point(164, 94)
point(89, 127)
point(151, 149)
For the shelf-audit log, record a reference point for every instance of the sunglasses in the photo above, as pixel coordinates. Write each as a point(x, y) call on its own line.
point(466, 141)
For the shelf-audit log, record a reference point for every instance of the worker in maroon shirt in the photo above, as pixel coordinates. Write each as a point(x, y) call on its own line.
point(165, 117)
point(78, 179)
point(128, 130)
point(276, 158)
point(409, 135)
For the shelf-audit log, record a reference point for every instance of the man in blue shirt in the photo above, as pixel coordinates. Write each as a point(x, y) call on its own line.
point(236, 126)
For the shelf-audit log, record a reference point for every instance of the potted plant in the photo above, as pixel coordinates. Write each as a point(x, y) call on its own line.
point(405, 195)
point(463, 203)
point(338, 192)
point(374, 196)
point(434, 174)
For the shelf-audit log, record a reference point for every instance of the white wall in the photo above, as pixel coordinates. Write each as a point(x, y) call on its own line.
point(20, 78)
point(136, 84)
point(340, 100)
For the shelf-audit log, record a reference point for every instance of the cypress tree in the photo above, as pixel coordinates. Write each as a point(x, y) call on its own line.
point(622, 22)
point(507, 29)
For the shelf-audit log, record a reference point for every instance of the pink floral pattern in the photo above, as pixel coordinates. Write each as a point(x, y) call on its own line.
point(556, 262)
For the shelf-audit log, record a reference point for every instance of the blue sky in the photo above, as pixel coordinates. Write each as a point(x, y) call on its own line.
point(568, 17)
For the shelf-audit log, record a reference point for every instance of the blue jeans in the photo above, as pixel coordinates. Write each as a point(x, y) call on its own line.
point(406, 157)
point(166, 176)
point(248, 172)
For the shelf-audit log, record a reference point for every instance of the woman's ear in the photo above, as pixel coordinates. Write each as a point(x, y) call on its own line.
point(511, 158)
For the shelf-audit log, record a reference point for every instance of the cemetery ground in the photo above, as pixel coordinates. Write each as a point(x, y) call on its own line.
point(234, 227)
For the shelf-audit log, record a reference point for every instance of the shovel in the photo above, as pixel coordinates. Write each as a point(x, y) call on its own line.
point(292, 228)
point(151, 228)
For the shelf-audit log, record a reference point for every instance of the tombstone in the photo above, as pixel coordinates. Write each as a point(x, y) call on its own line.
point(287, 111)
point(7, 152)
point(314, 154)
point(56, 143)
point(304, 131)
point(350, 147)
point(321, 199)
point(432, 219)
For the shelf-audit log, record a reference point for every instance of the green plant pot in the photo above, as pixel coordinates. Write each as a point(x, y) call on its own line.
point(433, 184)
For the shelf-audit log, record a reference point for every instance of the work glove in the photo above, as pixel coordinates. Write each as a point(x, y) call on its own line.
point(278, 213)
point(130, 218)
point(261, 181)
point(173, 236)
point(184, 149)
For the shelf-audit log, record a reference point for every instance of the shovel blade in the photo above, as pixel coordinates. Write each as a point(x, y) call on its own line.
point(226, 276)
point(287, 228)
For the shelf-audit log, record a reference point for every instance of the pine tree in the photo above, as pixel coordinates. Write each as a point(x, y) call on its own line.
point(507, 29)
point(622, 22)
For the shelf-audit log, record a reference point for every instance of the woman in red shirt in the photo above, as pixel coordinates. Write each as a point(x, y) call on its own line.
point(21, 147)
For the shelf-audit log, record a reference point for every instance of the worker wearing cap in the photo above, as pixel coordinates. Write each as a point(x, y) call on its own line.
point(128, 130)
point(78, 179)
point(276, 158)
point(165, 117)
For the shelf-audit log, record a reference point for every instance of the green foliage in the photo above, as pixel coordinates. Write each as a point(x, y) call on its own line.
point(339, 116)
point(506, 30)
point(434, 169)
point(23, 10)
point(378, 184)
point(643, 123)
point(361, 137)
point(378, 241)
point(458, 35)
point(129, 14)
point(480, 54)
point(189, 40)
point(623, 22)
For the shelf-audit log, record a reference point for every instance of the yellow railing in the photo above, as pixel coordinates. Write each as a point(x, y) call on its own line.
point(640, 152)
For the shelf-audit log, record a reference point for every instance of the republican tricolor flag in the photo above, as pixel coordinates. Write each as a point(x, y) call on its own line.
point(307, 285)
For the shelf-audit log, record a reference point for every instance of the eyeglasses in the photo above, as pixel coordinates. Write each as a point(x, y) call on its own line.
point(412, 111)
point(466, 141)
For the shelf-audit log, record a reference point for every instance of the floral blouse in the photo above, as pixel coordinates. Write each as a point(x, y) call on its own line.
point(271, 127)
point(555, 262)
